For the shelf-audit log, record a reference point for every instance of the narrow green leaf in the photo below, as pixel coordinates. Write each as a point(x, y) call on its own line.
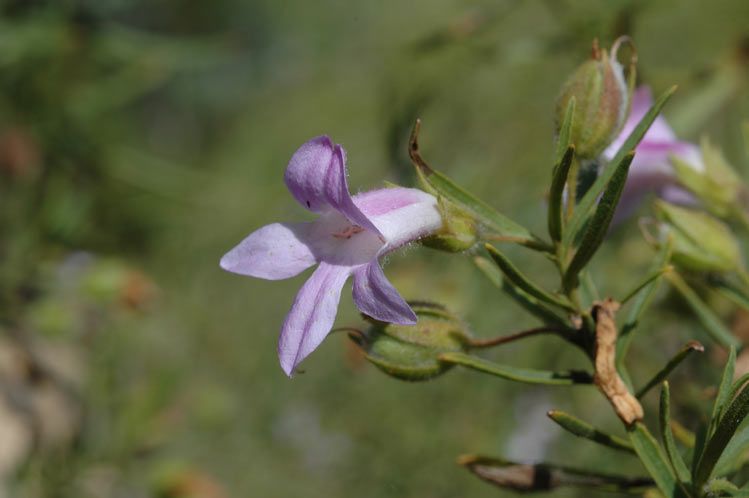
point(588, 290)
point(517, 374)
point(652, 458)
point(599, 223)
point(674, 362)
point(674, 457)
point(705, 315)
point(584, 430)
point(556, 192)
point(442, 186)
point(734, 416)
point(511, 272)
point(735, 455)
point(731, 292)
point(723, 397)
point(683, 435)
point(530, 304)
point(640, 304)
point(565, 131)
point(538, 477)
point(700, 440)
point(589, 199)
point(735, 388)
point(655, 275)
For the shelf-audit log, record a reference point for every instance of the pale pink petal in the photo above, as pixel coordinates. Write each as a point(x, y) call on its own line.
point(376, 296)
point(274, 252)
point(337, 192)
point(402, 215)
point(382, 201)
point(659, 131)
point(312, 315)
point(677, 195)
point(335, 241)
point(307, 171)
point(316, 177)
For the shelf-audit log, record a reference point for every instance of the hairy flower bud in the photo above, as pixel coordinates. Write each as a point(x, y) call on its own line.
point(713, 181)
point(602, 99)
point(459, 230)
point(412, 352)
point(700, 242)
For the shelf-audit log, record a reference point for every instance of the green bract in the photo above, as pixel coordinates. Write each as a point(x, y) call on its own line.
point(411, 352)
point(717, 186)
point(700, 242)
point(602, 98)
point(459, 231)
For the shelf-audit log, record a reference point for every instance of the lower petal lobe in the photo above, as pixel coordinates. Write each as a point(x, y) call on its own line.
point(376, 296)
point(312, 315)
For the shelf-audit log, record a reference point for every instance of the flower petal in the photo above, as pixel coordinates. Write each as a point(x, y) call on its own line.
point(677, 195)
point(274, 252)
point(316, 177)
point(659, 131)
point(376, 296)
point(307, 171)
point(382, 201)
point(312, 315)
point(338, 196)
point(402, 215)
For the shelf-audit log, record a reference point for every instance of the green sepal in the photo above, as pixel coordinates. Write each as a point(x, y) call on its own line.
point(411, 352)
point(441, 186)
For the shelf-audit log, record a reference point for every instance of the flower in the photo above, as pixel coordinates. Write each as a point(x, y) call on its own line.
point(347, 239)
point(651, 169)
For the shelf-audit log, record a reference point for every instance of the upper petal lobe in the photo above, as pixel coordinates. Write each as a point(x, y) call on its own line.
point(307, 171)
point(316, 177)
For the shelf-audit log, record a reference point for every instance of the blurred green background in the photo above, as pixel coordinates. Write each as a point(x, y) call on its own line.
point(140, 140)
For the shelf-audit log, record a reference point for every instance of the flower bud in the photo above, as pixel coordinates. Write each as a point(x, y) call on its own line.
point(713, 181)
point(412, 352)
point(602, 98)
point(458, 233)
point(700, 242)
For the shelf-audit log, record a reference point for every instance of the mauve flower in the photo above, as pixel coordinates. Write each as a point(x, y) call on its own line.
point(347, 239)
point(651, 170)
